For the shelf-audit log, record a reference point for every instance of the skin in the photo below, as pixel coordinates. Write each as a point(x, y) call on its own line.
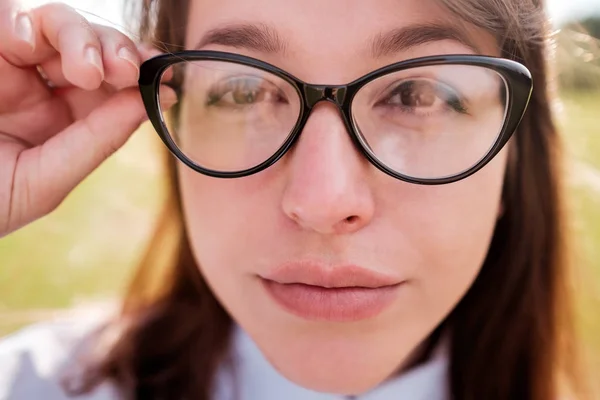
point(322, 202)
point(92, 109)
point(434, 237)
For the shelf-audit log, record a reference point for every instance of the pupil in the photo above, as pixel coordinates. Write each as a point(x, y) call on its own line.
point(244, 96)
point(418, 94)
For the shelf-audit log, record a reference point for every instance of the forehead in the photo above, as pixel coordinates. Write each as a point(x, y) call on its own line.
point(326, 33)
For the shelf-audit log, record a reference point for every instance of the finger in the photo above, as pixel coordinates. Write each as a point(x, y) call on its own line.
point(83, 102)
point(36, 123)
point(46, 174)
point(20, 87)
point(53, 67)
point(37, 35)
point(121, 58)
point(147, 51)
point(65, 159)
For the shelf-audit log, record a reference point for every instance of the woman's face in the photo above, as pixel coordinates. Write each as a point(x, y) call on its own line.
point(378, 263)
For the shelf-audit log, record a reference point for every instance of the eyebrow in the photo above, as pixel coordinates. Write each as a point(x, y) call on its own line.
point(264, 38)
point(404, 38)
point(258, 37)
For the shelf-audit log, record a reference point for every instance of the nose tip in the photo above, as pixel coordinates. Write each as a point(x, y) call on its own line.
point(327, 189)
point(328, 222)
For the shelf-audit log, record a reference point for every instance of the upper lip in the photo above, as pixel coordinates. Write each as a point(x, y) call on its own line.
point(317, 274)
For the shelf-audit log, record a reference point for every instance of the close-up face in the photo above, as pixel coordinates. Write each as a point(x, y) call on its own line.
point(337, 270)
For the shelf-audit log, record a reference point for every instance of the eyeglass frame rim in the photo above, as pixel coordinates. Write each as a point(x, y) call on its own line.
point(516, 76)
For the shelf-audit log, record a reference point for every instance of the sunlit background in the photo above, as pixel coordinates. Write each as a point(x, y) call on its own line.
point(80, 257)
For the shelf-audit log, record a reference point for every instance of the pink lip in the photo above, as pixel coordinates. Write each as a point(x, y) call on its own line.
point(315, 292)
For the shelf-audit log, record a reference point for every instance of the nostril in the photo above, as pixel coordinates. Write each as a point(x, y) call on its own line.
point(294, 217)
point(352, 219)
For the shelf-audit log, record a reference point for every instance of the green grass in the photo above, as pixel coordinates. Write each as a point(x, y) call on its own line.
point(85, 250)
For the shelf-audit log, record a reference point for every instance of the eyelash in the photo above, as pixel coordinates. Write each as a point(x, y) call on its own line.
point(450, 97)
point(231, 85)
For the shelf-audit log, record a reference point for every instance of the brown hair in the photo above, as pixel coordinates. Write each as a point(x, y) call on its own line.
point(512, 331)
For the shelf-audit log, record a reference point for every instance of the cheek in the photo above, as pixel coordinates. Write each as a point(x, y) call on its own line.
point(225, 219)
point(445, 232)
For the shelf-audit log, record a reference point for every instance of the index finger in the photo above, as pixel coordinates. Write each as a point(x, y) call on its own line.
point(32, 37)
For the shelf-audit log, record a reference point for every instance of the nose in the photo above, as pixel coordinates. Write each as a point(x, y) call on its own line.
point(327, 188)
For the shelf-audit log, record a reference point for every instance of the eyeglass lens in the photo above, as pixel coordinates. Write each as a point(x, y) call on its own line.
point(425, 122)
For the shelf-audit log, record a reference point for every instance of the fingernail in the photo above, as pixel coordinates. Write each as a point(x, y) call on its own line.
point(93, 57)
point(24, 29)
point(125, 54)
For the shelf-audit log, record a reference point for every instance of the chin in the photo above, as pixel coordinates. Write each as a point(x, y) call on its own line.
point(341, 364)
point(354, 385)
point(338, 378)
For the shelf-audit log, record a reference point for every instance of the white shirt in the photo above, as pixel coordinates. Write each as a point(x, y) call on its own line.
point(31, 362)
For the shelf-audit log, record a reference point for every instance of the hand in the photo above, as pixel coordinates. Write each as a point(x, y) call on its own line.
point(51, 138)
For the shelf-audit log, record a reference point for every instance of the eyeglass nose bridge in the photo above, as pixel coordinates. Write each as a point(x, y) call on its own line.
point(316, 93)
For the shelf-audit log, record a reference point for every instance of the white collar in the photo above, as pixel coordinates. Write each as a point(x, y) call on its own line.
point(257, 379)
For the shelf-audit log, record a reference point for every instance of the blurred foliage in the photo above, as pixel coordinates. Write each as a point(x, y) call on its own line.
point(578, 122)
point(578, 56)
point(589, 26)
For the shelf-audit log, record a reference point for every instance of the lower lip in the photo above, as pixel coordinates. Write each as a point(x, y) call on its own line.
point(331, 304)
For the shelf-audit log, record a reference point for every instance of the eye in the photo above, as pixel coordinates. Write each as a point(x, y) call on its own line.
point(415, 94)
point(423, 95)
point(244, 91)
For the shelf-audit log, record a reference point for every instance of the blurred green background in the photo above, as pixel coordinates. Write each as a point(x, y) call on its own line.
point(80, 256)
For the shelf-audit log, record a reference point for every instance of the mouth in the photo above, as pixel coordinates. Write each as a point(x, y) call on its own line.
point(340, 294)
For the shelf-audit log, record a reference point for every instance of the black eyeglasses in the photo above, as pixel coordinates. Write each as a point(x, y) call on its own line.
point(430, 120)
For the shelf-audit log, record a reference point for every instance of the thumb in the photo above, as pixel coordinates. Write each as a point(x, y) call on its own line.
point(68, 157)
